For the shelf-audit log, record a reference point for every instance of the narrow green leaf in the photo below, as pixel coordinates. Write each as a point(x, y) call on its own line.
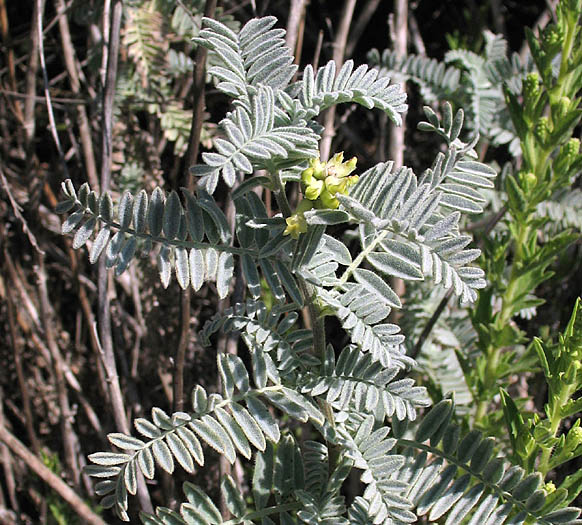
point(126, 255)
point(145, 461)
point(109, 458)
point(264, 418)
point(182, 267)
point(130, 478)
point(172, 214)
point(125, 210)
point(163, 456)
point(84, 233)
point(197, 268)
point(140, 209)
point(394, 266)
point(374, 284)
point(192, 444)
point(125, 442)
point(224, 274)
point(251, 275)
point(203, 503)
point(72, 221)
point(272, 279)
point(180, 452)
point(99, 244)
point(259, 366)
point(232, 497)
point(288, 281)
point(155, 213)
point(263, 476)
point(234, 431)
point(238, 372)
point(164, 266)
point(249, 426)
point(432, 421)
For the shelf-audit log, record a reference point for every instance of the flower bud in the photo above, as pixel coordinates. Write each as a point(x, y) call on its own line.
point(552, 36)
point(572, 148)
point(531, 87)
point(527, 180)
point(314, 189)
point(576, 434)
point(562, 108)
point(328, 200)
point(296, 225)
point(334, 184)
point(307, 176)
point(542, 129)
point(319, 169)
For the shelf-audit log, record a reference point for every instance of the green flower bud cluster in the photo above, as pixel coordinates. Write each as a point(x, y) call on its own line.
point(542, 129)
point(573, 439)
point(569, 152)
point(531, 87)
point(561, 108)
point(323, 180)
point(527, 180)
point(549, 487)
point(576, 433)
point(572, 148)
point(553, 36)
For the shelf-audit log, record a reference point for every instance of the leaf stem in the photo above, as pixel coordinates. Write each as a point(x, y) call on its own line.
point(360, 258)
point(264, 512)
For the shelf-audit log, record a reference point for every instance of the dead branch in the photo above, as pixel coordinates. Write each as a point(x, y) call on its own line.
point(51, 479)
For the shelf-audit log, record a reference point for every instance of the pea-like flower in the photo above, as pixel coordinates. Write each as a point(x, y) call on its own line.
point(322, 181)
point(296, 223)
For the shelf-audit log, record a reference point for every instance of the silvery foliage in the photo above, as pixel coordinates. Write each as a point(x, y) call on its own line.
point(407, 226)
point(473, 81)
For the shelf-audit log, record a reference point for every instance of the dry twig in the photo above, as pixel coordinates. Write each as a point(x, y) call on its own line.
point(339, 47)
point(51, 479)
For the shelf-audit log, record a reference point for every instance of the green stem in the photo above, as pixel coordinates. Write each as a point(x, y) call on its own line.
point(280, 195)
point(556, 403)
point(317, 320)
point(315, 317)
point(492, 356)
point(566, 53)
point(360, 258)
point(264, 512)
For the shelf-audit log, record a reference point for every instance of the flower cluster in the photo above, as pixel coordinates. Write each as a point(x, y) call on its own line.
point(321, 182)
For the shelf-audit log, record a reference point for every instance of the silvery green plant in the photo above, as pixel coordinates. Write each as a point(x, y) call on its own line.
point(358, 403)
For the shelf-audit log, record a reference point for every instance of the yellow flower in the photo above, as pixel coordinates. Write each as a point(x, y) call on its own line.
point(323, 180)
point(314, 189)
point(328, 200)
point(296, 225)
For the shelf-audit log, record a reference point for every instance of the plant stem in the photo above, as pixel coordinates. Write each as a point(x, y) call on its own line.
point(281, 196)
point(199, 78)
point(339, 47)
point(265, 512)
point(492, 357)
point(51, 479)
